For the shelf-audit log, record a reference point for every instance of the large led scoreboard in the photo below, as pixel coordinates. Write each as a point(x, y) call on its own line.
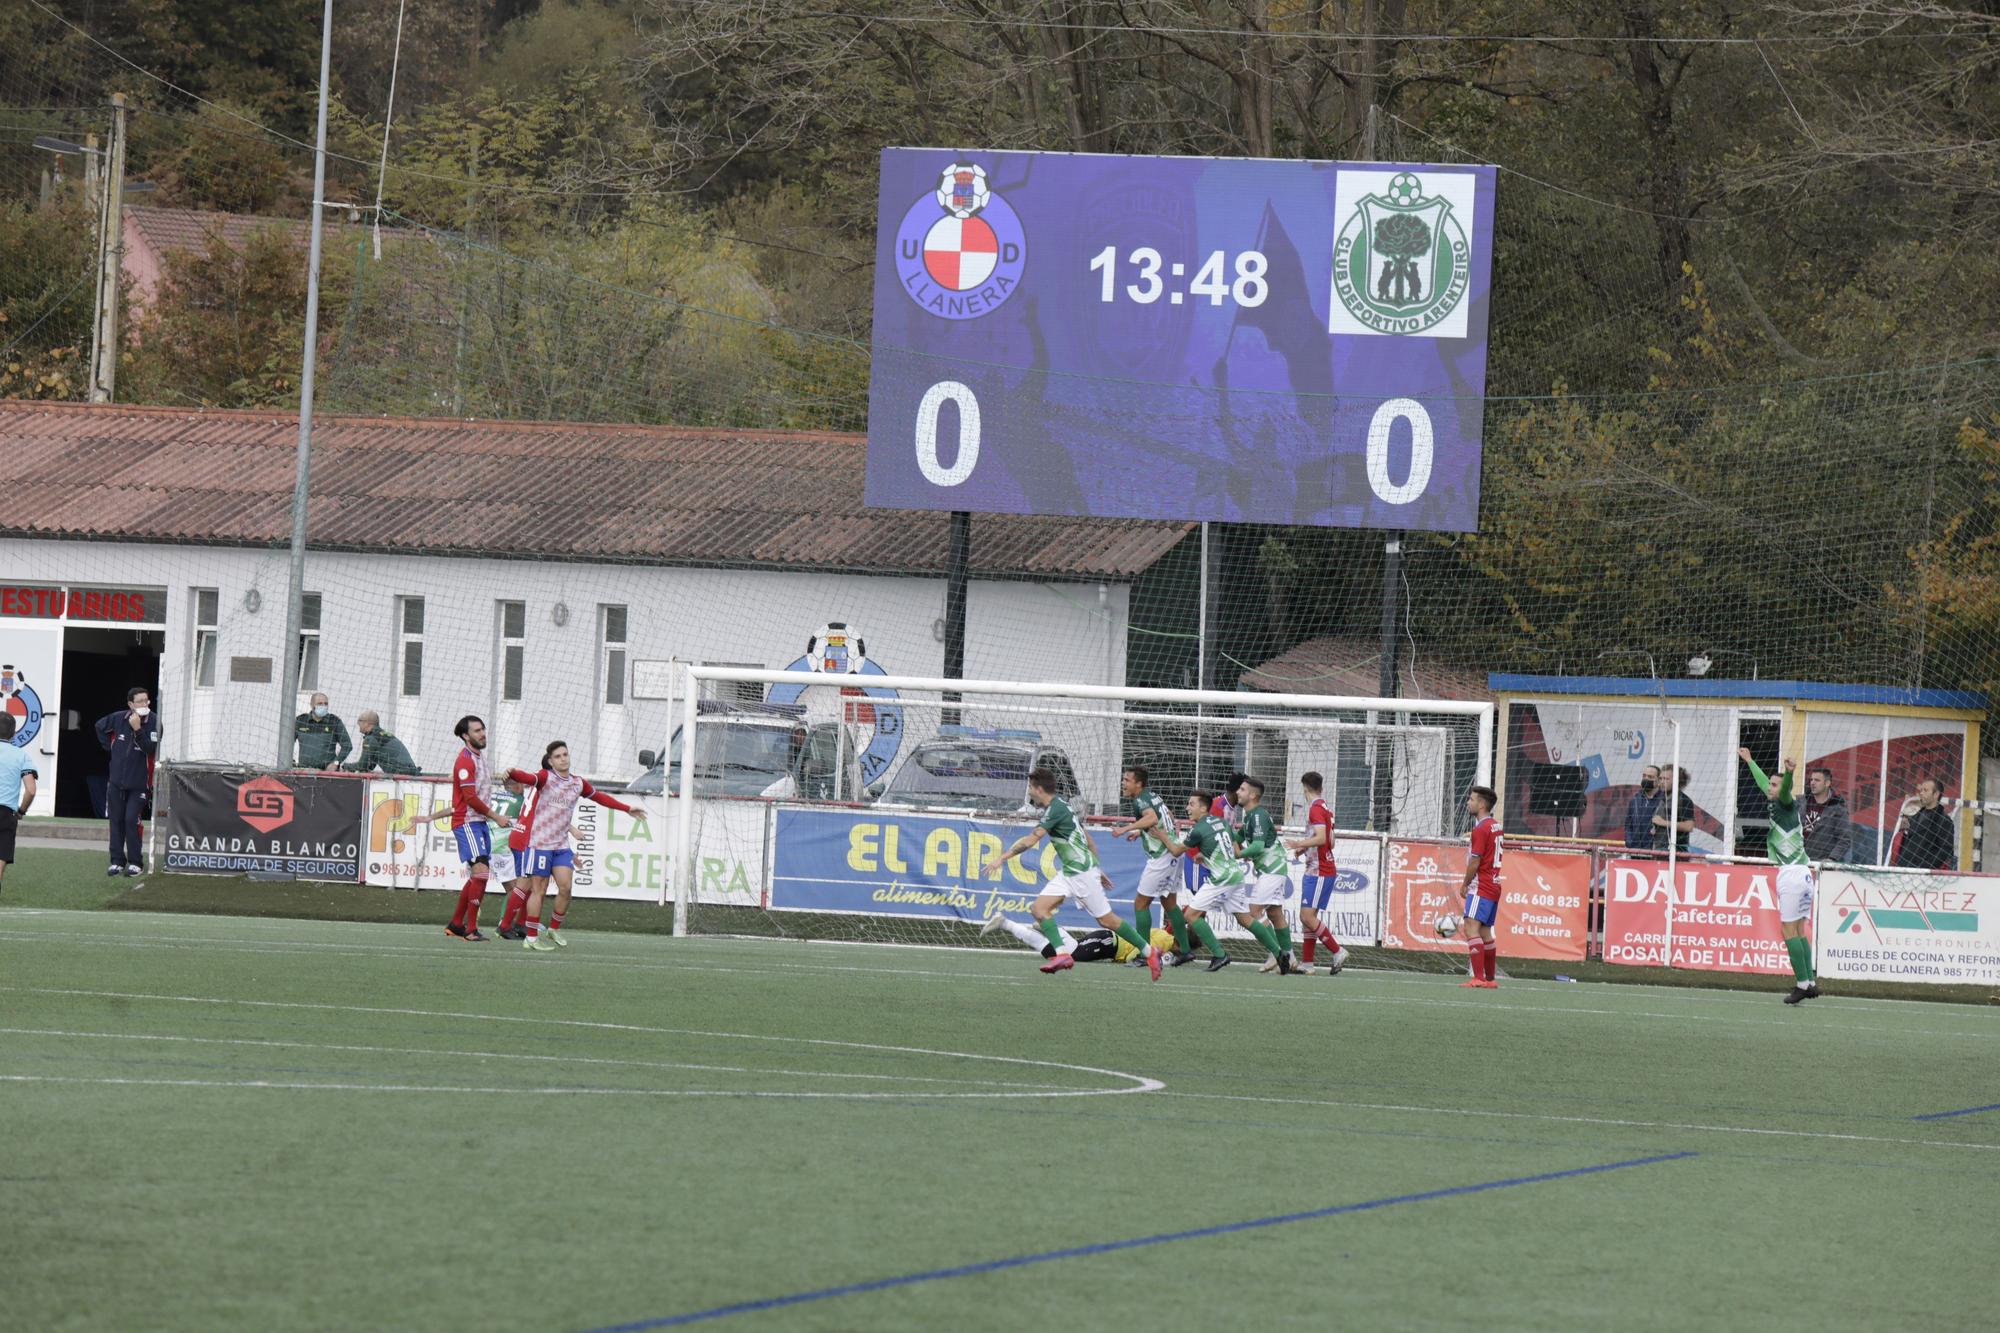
point(1186, 338)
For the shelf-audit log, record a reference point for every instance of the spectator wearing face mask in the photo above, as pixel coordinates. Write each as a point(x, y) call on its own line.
point(322, 737)
point(1645, 803)
point(132, 735)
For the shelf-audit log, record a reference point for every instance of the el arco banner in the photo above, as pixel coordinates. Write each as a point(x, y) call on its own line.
point(306, 825)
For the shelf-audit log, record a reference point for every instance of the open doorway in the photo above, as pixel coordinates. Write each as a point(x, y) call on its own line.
point(99, 665)
point(1760, 735)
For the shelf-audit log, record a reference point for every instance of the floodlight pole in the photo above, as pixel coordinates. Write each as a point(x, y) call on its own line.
point(958, 561)
point(110, 263)
point(288, 693)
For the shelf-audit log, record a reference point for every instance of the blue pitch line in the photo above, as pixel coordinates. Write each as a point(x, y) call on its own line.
point(1112, 1246)
point(1946, 1115)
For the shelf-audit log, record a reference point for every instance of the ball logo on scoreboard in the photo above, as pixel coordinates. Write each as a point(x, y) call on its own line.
point(960, 250)
point(18, 698)
point(1402, 263)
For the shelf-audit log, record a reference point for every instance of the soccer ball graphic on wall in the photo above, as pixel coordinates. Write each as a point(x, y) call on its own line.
point(18, 697)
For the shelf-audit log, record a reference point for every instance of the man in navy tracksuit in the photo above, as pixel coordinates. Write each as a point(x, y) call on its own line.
point(132, 735)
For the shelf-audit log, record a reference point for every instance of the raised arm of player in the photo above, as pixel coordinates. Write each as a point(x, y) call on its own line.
point(611, 802)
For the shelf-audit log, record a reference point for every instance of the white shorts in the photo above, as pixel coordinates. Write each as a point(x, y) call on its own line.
point(503, 864)
point(1795, 892)
point(1161, 878)
point(1230, 898)
point(1269, 889)
point(1085, 889)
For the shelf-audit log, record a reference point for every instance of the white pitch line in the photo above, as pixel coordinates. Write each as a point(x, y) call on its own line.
point(545, 1092)
point(1586, 1120)
point(1139, 1082)
point(516, 1055)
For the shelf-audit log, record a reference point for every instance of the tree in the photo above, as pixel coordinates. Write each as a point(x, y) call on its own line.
point(226, 327)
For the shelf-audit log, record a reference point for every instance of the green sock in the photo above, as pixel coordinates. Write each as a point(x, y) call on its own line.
point(1128, 932)
point(1054, 933)
point(1265, 936)
point(1177, 922)
point(1142, 920)
point(1800, 949)
point(1206, 934)
point(1284, 934)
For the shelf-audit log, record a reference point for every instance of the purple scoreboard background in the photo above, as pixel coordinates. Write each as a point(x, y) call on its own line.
point(1180, 338)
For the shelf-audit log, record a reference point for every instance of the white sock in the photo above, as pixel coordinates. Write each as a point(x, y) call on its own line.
point(1028, 935)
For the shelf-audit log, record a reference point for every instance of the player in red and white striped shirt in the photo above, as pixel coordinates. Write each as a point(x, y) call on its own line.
point(554, 794)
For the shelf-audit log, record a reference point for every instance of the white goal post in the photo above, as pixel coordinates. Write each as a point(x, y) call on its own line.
point(1412, 725)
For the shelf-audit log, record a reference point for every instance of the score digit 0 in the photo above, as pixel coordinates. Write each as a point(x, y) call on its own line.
point(1380, 427)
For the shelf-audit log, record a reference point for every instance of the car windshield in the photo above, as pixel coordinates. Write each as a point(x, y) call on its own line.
point(736, 759)
point(982, 777)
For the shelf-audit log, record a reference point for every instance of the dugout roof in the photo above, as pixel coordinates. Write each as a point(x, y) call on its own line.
point(643, 494)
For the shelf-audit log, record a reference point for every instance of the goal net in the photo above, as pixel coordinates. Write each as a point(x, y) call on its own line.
point(866, 807)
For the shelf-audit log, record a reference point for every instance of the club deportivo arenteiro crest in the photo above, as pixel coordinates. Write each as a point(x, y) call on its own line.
point(960, 250)
point(1402, 263)
point(18, 697)
point(837, 651)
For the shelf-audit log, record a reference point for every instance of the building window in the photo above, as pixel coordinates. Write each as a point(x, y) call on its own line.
point(410, 617)
point(309, 642)
point(207, 605)
point(735, 691)
point(612, 621)
point(513, 649)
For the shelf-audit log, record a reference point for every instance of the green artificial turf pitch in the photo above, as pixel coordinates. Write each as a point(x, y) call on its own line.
point(219, 1122)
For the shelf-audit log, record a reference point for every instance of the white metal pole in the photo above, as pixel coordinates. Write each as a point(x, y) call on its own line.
point(104, 371)
point(1075, 690)
point(388, 119)
point(1673, 837)
point(1485, 766)
point(683, 866)
point(288, 694)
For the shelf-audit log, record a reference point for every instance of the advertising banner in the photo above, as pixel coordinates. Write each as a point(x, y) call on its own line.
point(306, 825)
point(1710, 915)
point(1543, 898)
point(1354, 911)
point(1878, 925)
point(886, 864)
point(1180, 337)
point(616, 860)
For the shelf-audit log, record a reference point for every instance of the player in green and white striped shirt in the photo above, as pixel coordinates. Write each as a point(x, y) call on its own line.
point(1161, 878)
point(1078, 875)
point(1212, 844)
point(1270, 883)
point(1786, 844)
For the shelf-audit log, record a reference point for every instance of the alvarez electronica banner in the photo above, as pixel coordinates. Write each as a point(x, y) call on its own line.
point(1709, 915)
point(1542, 910)
point(1181, 338)
point(1885, 925)
point(306, 825)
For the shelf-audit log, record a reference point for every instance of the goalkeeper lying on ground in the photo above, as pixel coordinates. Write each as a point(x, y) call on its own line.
point(1095, 946)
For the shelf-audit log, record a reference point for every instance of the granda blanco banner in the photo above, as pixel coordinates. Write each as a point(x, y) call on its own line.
point(1886, 925)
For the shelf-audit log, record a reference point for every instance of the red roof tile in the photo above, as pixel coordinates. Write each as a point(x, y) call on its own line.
point(1353, 666)
point(660, 494)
